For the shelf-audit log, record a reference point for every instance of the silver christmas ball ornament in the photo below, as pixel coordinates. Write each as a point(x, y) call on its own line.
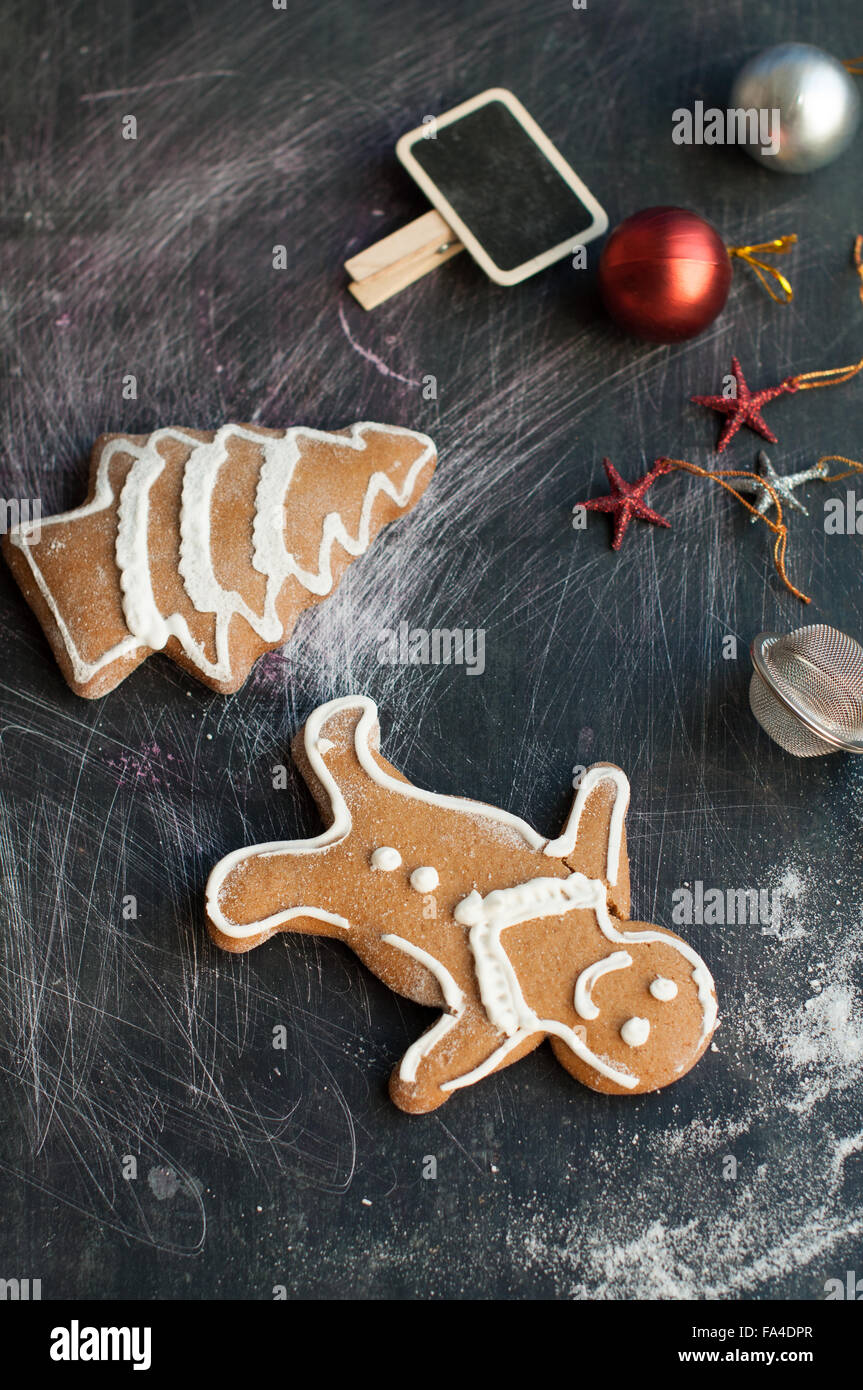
point(817, 101)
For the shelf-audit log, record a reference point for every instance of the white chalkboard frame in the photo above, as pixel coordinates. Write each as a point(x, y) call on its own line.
point(514, 276)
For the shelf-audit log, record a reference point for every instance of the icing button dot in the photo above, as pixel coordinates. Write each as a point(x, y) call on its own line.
point(635, 1032)
point(425, 879)
point(386, 858)
point(663, 990)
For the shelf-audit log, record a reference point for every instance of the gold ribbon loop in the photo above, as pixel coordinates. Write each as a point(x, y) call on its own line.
point(780, 246)
point(835, 376)
point(854, 65)
point(778, 527)
point(853, 468)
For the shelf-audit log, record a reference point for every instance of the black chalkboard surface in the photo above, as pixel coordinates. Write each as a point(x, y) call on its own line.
point(500, 183)
point(179, 1123)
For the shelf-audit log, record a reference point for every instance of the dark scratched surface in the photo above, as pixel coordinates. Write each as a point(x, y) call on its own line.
point(131, 1037)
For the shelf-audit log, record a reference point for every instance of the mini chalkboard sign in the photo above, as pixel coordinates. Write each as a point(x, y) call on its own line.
point(499, 190)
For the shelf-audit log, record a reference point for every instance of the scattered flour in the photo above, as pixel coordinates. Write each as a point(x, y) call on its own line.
point(746, 1233)
point(758, 1189)
point(827, 1037)
point(815, 1036)
point(797, 884)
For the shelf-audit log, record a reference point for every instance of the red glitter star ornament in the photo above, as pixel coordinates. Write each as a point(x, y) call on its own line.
point(744, 407)
point(625, 500)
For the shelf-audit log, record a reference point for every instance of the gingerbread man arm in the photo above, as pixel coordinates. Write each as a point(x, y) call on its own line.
point(461, 1047)
point(593, 840)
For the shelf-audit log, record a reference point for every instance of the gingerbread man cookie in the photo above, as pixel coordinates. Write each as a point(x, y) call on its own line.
point(209, 545)
point(466, 908)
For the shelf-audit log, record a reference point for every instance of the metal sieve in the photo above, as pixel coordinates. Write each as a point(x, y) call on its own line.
point(807, 690)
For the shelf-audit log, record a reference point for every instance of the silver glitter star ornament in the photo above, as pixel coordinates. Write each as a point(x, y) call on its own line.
point(783, 484)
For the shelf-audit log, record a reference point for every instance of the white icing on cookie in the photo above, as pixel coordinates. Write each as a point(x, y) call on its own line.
point(196, 563)
point(635, 1032)
point(425, 879)
point(148, 626)
point(565, 843)
point(453, 998)
point(469, 911)
point(386, 858)
point(706, 993)
point(539, 897)
point(485, 917)
point(663, 990)
point(365, 739)
point(143, 618)
point(584, 1005)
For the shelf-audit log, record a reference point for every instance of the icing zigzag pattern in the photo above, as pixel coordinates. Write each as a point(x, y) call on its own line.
point(208, 545)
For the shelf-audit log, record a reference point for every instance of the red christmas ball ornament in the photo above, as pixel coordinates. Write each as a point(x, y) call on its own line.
point(664, 274)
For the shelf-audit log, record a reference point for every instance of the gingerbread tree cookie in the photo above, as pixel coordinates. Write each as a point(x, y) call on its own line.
point(209, 545)
point(464, 907)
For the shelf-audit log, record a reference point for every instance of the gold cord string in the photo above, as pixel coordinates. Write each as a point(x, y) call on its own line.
point(778, 527)
point(832, 377)
point(835, 376)
point(780, 246)
point(853, 468)
point(854, 65)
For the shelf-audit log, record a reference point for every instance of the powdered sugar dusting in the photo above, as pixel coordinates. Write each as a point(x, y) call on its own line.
point(756, 1193)
point(763, 1228)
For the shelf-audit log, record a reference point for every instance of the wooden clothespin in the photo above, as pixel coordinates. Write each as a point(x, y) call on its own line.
point(500, 189)
point(397, 260)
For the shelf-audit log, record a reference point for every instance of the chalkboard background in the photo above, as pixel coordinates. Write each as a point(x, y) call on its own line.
point(259, 1168)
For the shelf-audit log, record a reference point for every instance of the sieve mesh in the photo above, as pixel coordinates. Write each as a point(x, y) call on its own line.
point(817, 670)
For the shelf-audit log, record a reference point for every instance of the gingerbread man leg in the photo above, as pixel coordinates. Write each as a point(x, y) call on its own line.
point(460, 1048)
